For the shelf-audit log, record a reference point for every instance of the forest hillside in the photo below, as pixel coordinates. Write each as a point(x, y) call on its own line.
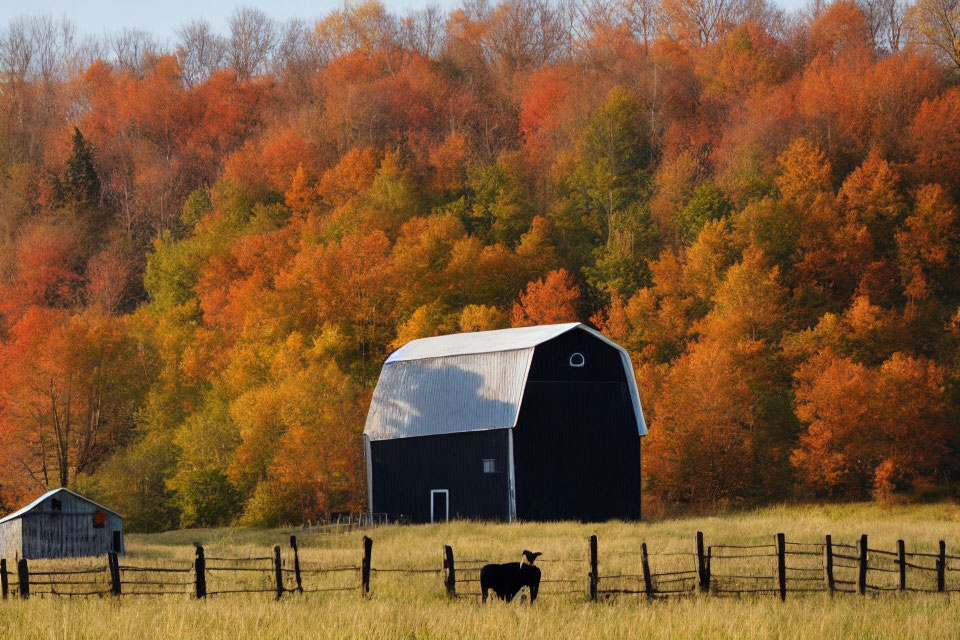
point(209, 246)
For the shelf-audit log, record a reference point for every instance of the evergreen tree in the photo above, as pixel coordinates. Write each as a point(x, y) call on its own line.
point(80, 184)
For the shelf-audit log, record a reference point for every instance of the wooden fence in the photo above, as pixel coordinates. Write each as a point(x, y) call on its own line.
point(349, 522)
point(206, 576)
point(779, 568)
point(783, 567)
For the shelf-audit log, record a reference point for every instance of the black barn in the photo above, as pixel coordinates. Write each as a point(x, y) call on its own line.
point(535, 423)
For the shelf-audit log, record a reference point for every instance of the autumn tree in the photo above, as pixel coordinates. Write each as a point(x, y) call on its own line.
point(200, 51)
point(72, 390)
point(705, 449)
point(365, 26)
point(132, 49)
point(935, 24)
point(499, 209)
point(551, 300)
point(887, 20)
point(937, 140)
point(702, 22)
point(252, 40)
point(298, 451)
point(604, 211)
point(869, 427)
point(927, 244)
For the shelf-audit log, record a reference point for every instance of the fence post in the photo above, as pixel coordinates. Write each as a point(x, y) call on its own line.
point(4, 581)
point(645, 565)
point(709, 573)
point(113, 585)
point(200, 572)
point(902, 561)
point(296, 563)
point(828, 564)
point(942, 567)
point(23, 577)
point(449, 572)
point(113, 563)
point(703, 573)
point(278, 571)
point(782, 565)
point(365, 566)
point(594, 575)
point(862, 565)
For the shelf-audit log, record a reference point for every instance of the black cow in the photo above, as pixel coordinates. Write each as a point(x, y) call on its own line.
point(506, 580)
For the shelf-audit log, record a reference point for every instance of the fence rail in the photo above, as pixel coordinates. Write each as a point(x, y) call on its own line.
point(780, 568)
point(230, 575)
point(789, 567)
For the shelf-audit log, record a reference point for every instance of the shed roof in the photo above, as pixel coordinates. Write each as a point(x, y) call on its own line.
point(466, 382)
point(22, 511)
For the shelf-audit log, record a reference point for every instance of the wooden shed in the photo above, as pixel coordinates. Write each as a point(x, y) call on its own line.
point(60, 524)
point(532, 423)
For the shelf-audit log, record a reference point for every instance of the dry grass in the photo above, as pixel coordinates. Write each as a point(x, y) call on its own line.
point(414, 606)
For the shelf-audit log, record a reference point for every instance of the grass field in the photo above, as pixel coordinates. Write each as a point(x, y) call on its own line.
point(414, 606)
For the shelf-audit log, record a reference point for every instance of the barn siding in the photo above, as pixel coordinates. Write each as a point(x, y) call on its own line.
point(551, 360)
point(577, 449)
point(405, 470)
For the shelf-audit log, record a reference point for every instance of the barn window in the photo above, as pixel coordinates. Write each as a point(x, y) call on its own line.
point(489, 465)
point(56, 504)
point(577, 359)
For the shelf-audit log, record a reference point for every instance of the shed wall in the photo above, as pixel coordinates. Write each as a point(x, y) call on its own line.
point(10, 540)
point(68, 532)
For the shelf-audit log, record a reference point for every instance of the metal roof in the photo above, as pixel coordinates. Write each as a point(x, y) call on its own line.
point(480, 342)
point(466, 382)
point(22, 511)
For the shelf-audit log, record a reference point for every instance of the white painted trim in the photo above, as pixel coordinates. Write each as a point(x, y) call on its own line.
point(447, 493)
point(477, 342)
point(511, 480)
point(368, 456)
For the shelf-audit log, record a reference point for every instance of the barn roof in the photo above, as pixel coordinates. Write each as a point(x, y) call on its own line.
point(459, 344)
point(466, 382)
point(22, 511)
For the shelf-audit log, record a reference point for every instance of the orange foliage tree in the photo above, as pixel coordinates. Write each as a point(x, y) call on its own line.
point(854, 416)
point(549, 300)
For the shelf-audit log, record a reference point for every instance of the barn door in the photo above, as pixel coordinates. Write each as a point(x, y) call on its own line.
point(439, 505)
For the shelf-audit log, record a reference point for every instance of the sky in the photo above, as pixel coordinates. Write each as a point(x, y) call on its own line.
point(164, 16)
